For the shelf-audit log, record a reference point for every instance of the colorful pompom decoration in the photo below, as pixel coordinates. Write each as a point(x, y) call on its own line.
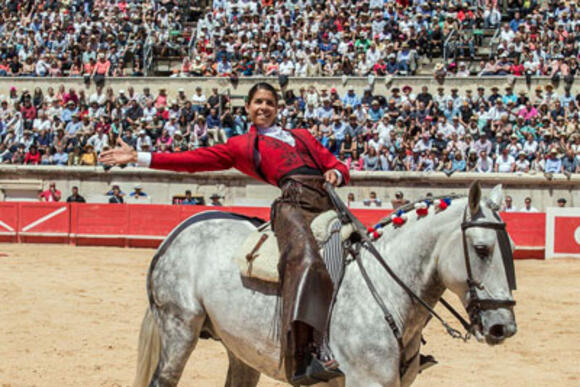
point(422, 209)
point(399, 218)
point(442, 204)
point(375, 232)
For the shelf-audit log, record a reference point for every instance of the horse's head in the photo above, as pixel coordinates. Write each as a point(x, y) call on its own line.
point(479, 267)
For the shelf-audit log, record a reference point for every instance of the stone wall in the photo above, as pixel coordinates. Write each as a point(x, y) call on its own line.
point(238, 189)
point(359, 83)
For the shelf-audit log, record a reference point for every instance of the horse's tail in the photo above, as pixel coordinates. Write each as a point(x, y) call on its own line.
point(149, 349)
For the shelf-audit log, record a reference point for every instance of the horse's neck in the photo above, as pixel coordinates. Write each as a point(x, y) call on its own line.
point(411, 252)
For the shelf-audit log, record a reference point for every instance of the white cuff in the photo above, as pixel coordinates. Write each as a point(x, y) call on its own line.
point(143, 159)
point(339, 175)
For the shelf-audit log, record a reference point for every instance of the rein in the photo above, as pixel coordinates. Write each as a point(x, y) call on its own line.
point(476, 304)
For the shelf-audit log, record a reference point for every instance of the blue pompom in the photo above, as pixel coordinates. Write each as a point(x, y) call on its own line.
point(399, 212)
point(447, 201)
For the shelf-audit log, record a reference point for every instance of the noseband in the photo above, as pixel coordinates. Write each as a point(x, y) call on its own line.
point(476, 304)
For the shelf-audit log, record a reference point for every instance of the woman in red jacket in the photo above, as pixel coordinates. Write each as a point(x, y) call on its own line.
point(297, 163)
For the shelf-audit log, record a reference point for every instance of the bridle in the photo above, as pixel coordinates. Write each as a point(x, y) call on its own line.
point(476, 304)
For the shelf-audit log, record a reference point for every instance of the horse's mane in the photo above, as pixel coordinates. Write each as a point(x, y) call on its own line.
point(411, 207)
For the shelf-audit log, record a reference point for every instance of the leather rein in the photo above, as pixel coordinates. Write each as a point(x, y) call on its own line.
point(474, 308)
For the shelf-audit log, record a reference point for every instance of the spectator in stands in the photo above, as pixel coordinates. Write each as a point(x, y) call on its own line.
point(562, 202)
point(116, 197)
point(138, 192)
point(399, 200)
point(51, 194)
point(215, 200)
point(189, 200)
point(553, 164)
point(373, 200)
point(75, 197)
point(508, 206)
point(528, 206)
point(32, 156)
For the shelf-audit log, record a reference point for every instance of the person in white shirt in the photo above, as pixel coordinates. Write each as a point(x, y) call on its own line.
point(504, 163)
point(508, 206)
point(98, 140)
point(287, 67)
point(528, 206)
point(522, 164)
point(485, 163)
point(531, 146)
point(143, 141)
point(41, 122)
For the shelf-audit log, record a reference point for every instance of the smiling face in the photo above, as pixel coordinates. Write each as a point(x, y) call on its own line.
point(262, 108)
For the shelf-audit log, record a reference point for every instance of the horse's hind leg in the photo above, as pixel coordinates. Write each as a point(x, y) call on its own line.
point(240, 374)
point(179, 331)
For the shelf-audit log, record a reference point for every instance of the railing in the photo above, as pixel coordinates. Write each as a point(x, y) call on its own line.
point(448, 41)
point(494, 42)
point(148, 52)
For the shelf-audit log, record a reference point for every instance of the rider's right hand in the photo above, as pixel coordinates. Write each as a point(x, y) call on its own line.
point(122, 154)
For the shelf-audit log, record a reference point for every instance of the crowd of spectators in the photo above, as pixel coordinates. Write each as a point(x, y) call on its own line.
point(99, 38)
point(86, 37)
point(407, 130)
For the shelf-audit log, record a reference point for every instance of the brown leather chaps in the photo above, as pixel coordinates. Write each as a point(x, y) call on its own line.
point(306, 286)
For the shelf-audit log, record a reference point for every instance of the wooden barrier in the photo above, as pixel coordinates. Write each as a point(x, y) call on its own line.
point(146, 225)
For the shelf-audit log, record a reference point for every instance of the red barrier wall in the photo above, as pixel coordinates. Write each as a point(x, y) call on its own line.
point(9, 222)
point(146, 225)
point(528, 231)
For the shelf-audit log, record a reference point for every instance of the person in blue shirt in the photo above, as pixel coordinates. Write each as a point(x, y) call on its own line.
point(553, 163)
point(515, 22)
point(74, 125)
point(138, 192)
point(189, 200)
point(375, 112)
point(350, 98)
point(68, 112)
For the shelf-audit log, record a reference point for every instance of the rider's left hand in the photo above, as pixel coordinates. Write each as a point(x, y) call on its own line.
point(331, 177)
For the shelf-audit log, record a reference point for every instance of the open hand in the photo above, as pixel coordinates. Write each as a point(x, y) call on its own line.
point(122, 154)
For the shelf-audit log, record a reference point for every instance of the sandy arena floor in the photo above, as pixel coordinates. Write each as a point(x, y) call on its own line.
point(70, 317)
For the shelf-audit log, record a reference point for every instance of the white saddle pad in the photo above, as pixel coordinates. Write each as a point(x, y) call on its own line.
point(263, 263)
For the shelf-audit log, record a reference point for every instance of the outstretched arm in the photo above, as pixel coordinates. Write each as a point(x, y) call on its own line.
point(213, 158)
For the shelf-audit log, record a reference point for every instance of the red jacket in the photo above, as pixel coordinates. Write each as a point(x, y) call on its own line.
point(277, 158)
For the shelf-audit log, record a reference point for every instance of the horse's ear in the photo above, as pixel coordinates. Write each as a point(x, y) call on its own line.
point(495, 198)
point(474, 198)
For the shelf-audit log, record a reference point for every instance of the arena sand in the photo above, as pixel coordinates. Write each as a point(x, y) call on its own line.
point(70, 317)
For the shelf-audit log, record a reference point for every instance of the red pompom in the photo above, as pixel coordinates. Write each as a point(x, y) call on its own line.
point(370, 229)
point(422, 212)
point(376, 235)
point(443, 205)
point(398, 221)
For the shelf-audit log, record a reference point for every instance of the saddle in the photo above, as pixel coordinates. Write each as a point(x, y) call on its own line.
point(258, 258)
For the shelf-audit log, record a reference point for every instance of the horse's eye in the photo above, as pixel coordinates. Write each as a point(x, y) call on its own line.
point(482, 251)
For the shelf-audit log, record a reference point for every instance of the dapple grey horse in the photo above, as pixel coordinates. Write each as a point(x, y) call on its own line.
point(195, 285)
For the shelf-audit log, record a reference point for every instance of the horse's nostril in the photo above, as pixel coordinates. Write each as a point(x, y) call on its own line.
point(497, 331)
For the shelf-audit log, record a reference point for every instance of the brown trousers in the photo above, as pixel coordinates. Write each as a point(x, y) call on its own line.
point(306, 285)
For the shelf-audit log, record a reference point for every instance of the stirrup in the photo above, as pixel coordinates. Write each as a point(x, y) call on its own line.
point(317, 372)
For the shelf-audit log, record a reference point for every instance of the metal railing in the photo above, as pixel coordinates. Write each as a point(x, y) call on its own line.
point(448, 41)
point(494, 42)
point(148, 53)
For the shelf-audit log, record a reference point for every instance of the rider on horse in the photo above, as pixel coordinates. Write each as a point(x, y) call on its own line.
point(297, 163)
